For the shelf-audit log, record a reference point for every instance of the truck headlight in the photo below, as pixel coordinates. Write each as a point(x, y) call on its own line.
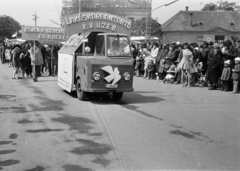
point(126, 76)
point(96, 76)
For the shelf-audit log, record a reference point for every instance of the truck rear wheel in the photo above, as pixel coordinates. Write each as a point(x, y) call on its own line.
point(116, 96)
point(80, 93)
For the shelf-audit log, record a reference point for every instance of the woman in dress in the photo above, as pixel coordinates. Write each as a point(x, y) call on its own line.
point(186, 65)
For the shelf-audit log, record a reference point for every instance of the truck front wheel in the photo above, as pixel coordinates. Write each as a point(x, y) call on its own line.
point(116, 96)
point(80, 93)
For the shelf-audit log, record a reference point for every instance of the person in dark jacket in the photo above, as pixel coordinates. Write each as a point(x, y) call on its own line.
point(28, 61)
point(230, 52)
point(211, 51)
point(236, 75)
point(204, 61)
point(44, 53)
point(23, 60)
point(172, 56)
point(49, 59)
point(55, 59)
point(214, 68)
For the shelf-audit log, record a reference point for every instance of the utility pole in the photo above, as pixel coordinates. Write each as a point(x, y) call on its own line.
point(80, 4)
point(35, 17)
point(148, 20)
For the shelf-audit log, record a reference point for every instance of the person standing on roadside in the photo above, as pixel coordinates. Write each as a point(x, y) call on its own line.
point(1, 53)
point(44, 53)
point(214, 67)
point(37, 60)
point(17, 62)
point(8, 56)
point(23, 62)
point(55, 60)
point(49, 59)
point(28, 61)
point(238, 47)
point(186, 65)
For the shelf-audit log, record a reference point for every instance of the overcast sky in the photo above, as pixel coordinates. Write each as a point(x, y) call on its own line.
point(22, 10)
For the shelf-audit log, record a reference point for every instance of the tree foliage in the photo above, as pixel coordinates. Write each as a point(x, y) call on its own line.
point(139, 28)
point(8, 26)
point(221, 6)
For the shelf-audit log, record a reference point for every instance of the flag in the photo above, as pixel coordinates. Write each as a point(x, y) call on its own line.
point(15, 34)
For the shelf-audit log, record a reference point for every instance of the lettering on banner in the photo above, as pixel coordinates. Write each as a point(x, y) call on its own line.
point(97, 16)
point(41, 36)
point(99, 25)
point(46, 34)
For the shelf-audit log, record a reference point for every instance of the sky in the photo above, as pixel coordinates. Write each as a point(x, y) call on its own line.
point(23, 10)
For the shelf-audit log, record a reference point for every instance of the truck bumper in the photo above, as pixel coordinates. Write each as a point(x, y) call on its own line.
point(107, 90)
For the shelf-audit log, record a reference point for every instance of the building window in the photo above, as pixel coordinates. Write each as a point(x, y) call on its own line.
point(200, 39)
point(219, 39)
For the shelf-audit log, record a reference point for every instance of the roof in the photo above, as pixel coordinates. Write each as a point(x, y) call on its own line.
point(203, 21)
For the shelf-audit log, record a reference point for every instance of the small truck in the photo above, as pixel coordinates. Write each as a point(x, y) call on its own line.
point(100, 63)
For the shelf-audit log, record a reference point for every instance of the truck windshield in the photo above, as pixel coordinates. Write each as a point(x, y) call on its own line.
point(118, 46)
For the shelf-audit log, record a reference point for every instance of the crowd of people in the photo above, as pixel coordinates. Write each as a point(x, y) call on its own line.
point(218, 65)
point(185, 64)
point(30, 59)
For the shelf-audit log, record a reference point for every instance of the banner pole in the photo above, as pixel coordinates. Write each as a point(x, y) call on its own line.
point(34, 57)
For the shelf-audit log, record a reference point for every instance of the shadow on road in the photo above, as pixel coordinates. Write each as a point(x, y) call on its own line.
point(135, 97)
point(128, 101)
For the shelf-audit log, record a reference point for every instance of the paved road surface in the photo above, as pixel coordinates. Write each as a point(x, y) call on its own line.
point(157, 127)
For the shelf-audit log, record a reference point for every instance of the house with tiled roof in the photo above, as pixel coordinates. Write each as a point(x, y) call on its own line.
point(199, 26)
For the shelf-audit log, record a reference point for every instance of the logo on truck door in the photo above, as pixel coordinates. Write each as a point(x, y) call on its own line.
point(113, 75)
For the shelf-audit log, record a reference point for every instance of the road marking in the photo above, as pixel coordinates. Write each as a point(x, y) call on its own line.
point(110, 136)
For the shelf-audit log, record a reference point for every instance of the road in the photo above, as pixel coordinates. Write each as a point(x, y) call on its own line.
point(156, 127)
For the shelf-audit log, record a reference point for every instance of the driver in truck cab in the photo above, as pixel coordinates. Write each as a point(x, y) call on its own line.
point(115, 50)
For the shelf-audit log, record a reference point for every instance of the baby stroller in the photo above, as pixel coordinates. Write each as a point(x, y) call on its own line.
point(201, 81)
point(171, 74)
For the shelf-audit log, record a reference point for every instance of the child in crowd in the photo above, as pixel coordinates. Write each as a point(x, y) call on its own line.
point(226, 76)
point(160, 71)
point(150, 69)
point(171, 73)
point(236, 75)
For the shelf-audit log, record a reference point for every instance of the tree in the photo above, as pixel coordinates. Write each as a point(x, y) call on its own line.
point(221, 6)
point(8, 26)
point(210, 7)
point(139, 28)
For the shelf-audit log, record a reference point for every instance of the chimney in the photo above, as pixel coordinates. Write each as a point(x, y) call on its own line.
point(190, 19)
point(186, 8)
